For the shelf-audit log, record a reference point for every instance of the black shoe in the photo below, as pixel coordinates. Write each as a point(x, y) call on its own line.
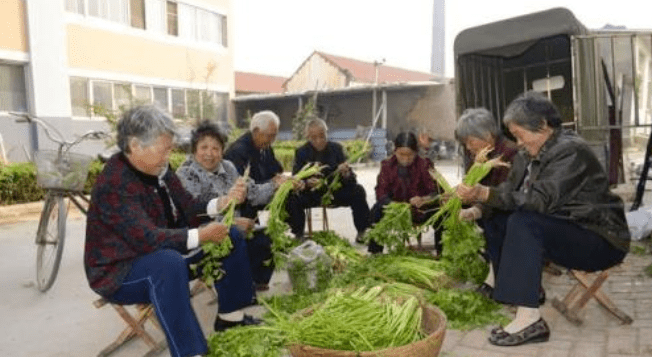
point(537, 332)
point(485, 290)
point(221, 325)
point(359, 238)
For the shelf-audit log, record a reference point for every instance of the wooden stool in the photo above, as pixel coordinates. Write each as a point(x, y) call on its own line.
point(135, 328)
point(582, 292)
point(136, 325)
point(309, 219)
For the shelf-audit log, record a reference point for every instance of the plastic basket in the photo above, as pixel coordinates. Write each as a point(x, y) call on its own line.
point(433, 324)
point(67, 172)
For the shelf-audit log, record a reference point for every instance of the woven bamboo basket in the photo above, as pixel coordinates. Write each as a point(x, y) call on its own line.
point(433, 323)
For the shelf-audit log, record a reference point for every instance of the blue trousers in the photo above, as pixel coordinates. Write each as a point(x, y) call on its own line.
point(260, 257)
point(518, 242)
point(236, 289)
point(161, 278)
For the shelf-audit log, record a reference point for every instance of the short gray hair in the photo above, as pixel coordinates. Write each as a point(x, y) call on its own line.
point(313, 122)
point(144, 123)
point(476, 122)
point(261, 120)
point(531, 110)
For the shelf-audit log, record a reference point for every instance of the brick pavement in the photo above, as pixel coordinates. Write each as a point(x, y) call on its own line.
point(601, 335)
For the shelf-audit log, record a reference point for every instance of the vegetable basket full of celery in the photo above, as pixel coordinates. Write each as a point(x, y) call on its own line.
point(364, 323)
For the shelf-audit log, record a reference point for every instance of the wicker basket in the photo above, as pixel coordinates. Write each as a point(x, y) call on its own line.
point(433, 323)
point(65, 172)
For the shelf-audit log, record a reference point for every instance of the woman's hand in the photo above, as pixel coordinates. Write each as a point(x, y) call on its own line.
point(313, 182)
point(278, 180)
point(468, 194)
point(470, 214)
point(344, 169)
point(238, 191)
point(417, 201)
point(213, 232)
point(245, 224)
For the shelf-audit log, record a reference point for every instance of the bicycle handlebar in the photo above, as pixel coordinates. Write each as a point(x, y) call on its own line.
point(49, 128)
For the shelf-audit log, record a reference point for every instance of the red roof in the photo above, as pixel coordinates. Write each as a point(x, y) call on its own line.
point(258, 83)
point(366, 71)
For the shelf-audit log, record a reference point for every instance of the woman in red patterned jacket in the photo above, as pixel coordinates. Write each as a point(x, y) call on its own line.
point(139, 225)
point(404, 177)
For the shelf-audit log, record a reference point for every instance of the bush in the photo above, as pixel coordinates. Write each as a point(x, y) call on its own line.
point(18, 184)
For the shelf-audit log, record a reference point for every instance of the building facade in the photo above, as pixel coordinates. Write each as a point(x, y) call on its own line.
point(60, 60)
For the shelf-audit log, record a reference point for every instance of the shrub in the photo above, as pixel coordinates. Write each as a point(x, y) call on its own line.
point(18, 184)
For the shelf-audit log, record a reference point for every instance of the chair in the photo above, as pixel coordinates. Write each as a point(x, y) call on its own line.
point(324, 220)
point(580, 294)
point(136, 321)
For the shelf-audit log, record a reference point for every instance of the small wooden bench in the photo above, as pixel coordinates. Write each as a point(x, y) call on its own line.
point(324, 220)
point(580, 294)
point(136, 320)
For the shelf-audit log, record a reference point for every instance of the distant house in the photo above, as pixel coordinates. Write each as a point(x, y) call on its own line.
point(322, 71)
point(253, 83)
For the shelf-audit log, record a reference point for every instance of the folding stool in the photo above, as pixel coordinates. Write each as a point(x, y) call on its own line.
point(136, 323)
point(580, 294)
point(309, 219)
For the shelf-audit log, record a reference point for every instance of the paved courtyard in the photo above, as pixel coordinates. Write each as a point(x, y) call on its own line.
point(63, 321)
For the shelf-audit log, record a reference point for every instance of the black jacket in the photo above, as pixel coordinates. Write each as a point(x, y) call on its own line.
point(566, 181)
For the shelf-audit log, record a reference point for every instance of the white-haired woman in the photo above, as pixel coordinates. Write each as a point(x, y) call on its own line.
point(139, 226)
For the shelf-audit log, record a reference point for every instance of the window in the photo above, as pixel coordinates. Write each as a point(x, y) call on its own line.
point(76, 6)
point(137, 12)
point(222, 27)
point(208, 26)
point(178, 103)
point(172, 18)
point(156, 16)
point(98, 8)
point(13, 95)
point(79, 97)
point(142, 94)
point(123, 96)
point(161, 98)
point(193, 104)
point(102, 95)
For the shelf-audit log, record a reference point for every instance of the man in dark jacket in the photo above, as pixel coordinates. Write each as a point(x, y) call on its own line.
point(253, 150)
point(349, 193)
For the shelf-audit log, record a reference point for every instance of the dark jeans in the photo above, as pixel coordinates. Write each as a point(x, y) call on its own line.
point(518, 242)
point(260, 257)
point(376, 215)
point(161, 278)
point(349, 195)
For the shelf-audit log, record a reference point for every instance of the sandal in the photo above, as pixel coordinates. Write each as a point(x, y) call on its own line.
point(537, 332)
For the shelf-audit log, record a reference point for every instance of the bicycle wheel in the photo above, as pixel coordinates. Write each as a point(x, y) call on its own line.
point(49, 240)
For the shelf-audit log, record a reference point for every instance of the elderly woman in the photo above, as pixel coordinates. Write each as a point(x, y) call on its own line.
point(205, 174)
point(139, 226)
point(404, 177)
point(477, 131)
point(557, 206)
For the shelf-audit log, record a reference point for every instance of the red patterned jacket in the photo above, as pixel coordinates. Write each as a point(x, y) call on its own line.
point(418, 181)
point(126, 219)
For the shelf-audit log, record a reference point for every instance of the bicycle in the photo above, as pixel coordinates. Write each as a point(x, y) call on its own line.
point(63, 175)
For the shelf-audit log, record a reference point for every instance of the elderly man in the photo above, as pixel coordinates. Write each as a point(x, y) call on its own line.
point(141, 222)
point(253, 149)
point(318, 149)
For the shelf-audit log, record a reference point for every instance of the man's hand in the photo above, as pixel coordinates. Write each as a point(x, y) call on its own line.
point(279, 179)
point(245, 224)
point(313, 182)
point(213, 232)
point(344, 169)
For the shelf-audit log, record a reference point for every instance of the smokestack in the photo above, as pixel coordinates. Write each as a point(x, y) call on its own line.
point(438, 27)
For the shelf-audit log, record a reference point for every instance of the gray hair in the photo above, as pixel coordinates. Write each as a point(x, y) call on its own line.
point(532, 110)
point(476, 122)
point(144, 123)
point(315, 122)
point(261, 120)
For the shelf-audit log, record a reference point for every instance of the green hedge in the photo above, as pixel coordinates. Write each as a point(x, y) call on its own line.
point(18, 181)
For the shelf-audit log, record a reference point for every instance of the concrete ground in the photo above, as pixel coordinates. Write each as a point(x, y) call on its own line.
point(63, 321)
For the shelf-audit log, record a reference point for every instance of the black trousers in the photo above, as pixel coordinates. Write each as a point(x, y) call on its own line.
point(376, 215)
point(519, 241)
point(349, 195)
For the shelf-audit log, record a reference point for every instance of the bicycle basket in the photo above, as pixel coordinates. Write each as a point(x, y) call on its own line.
point(67, 172)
